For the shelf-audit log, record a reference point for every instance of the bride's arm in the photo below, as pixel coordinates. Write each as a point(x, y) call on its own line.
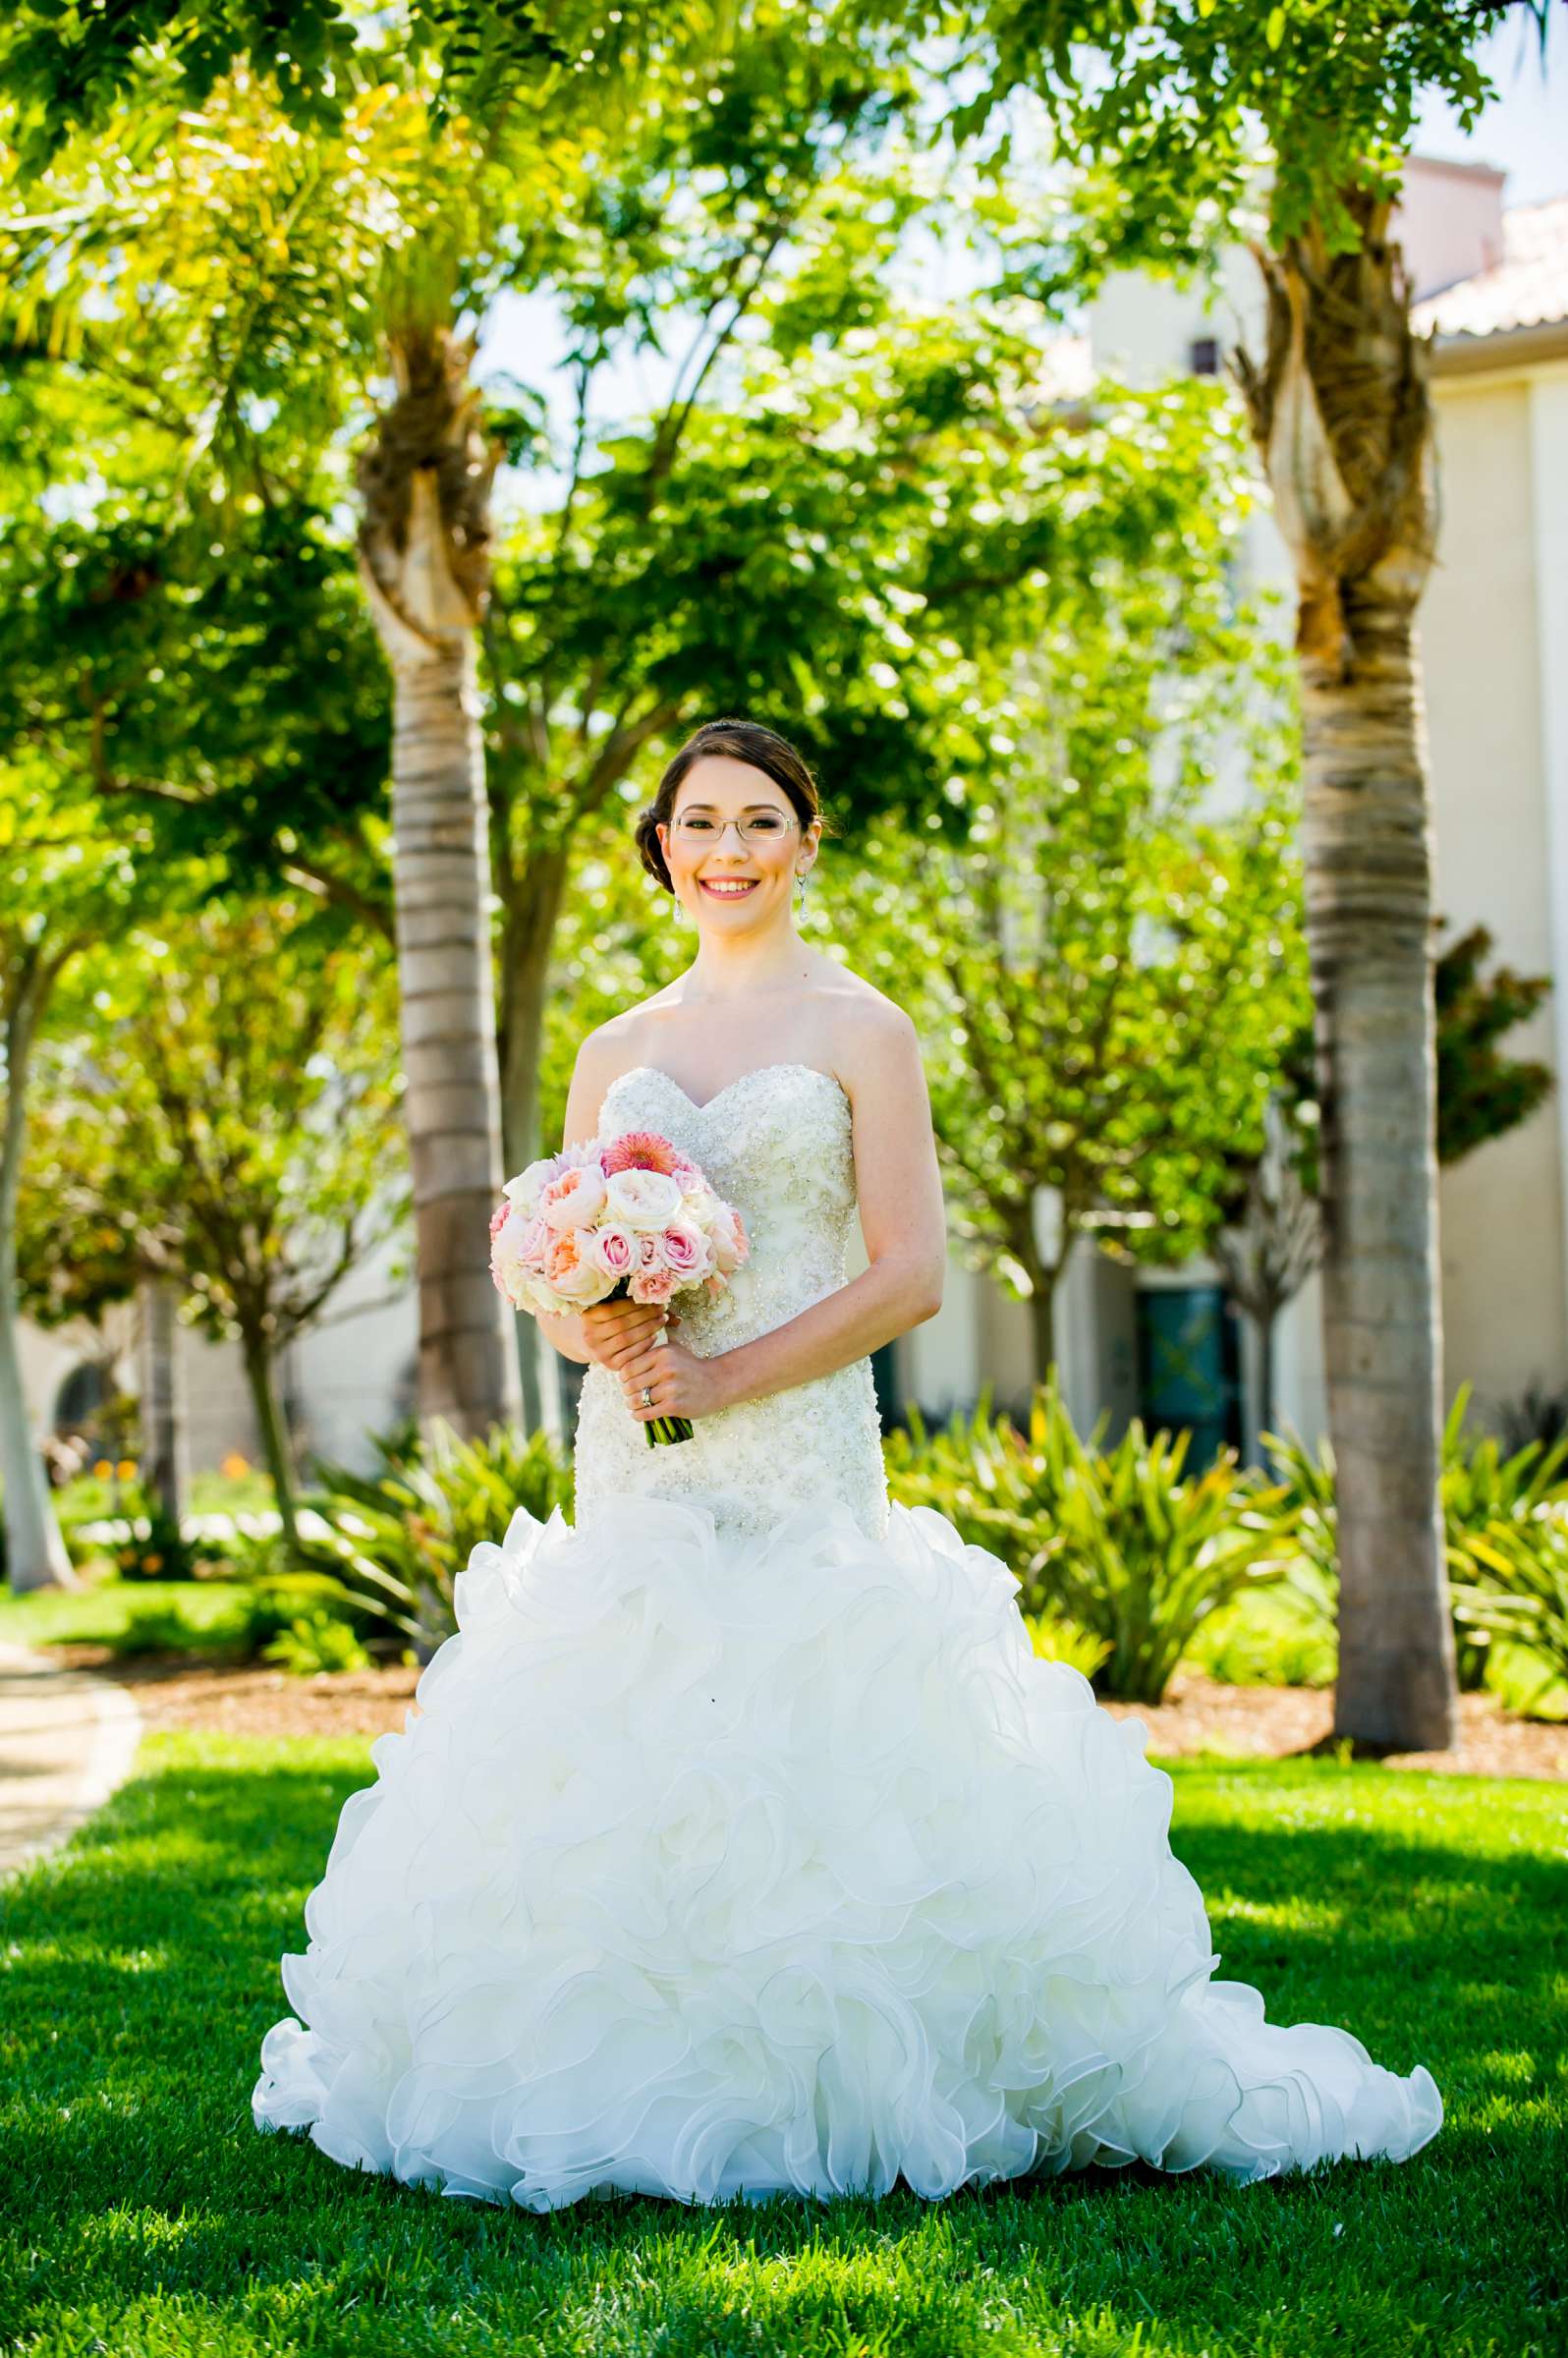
point(898, 1181)
point(899, 1184)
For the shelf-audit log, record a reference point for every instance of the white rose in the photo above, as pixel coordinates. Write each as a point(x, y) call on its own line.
point(643, 1200)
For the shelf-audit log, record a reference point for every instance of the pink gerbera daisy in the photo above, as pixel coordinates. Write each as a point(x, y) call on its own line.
point(641, 1150)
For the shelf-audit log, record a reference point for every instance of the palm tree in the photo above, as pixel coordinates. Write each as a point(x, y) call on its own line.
point(1342, 418)
point(424, 483)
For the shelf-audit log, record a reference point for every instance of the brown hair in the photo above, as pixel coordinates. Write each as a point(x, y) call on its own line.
point(742, 741)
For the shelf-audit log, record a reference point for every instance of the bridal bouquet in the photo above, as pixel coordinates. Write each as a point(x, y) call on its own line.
point(608, 1219)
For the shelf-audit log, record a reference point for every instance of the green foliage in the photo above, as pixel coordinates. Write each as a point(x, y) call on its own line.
point(976, 1471)
point(1140, 1554)
point(1265, 1640)
point(318, 1643)
point(275, 1603)
point(256, 1163)
point(1176, 111)
point(158, 1549)
point(249, 1622)
point(1520, 1604)
point(400, 1536)
point(1506, 1519)
point(161, 1629)
point(1119, 1544)
point(1481, 1092)
point(493, 58)
point(1057, 1640)
point(1105, 979)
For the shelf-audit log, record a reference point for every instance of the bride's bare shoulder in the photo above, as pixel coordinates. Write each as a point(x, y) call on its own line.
point(874, 1043)
point(621, 1040)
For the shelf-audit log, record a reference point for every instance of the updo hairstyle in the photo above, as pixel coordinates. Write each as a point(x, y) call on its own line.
point(744, 741)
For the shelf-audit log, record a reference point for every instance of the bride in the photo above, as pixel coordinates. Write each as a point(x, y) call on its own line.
point(742, 1844)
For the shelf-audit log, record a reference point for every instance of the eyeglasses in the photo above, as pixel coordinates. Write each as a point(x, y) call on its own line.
point(761, 828)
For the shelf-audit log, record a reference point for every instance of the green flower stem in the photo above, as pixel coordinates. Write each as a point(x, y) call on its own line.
point(667, 1429)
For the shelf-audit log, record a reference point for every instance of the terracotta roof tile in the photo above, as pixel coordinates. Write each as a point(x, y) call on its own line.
point(1528, 287)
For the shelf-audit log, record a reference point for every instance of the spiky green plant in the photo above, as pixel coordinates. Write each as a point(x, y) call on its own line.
point(398, 1536)
point(1120, 1544)
point(1505, 1518)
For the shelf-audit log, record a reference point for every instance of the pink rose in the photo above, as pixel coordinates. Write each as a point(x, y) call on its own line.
point(684, 1249)
point(728, 1240)
point(615, 1249)
point(653, 1286)
point(573, 1199)
point(515, 1256)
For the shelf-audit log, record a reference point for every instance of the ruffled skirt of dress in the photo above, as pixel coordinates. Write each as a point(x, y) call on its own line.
point(720, 1867)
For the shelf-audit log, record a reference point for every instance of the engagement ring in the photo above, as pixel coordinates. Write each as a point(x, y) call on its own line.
point(647, 1395)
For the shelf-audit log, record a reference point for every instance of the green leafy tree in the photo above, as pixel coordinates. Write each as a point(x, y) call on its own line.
point(299, 270)
point(1105, 978)
point(1190, 126)
point(66, 884)
point(1481, 1092)
point(231, 1122)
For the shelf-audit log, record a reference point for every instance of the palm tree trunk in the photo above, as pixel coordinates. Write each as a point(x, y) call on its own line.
point(1342, 418)
point(447, 999)
point(1369, 891)
point(35, 1551)
point(426, 482)
point(531, 905)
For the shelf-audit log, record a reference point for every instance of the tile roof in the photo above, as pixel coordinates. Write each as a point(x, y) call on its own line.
point(1528, 287)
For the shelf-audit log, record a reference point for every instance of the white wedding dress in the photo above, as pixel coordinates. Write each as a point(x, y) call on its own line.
point(744, 1846)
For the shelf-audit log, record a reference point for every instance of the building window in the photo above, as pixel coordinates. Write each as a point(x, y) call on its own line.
point(1202, 355)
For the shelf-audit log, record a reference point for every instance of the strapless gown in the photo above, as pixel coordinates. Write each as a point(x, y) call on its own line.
point(744, 1846)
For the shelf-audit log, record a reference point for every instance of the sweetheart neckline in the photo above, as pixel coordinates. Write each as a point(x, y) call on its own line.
point(755, 1070)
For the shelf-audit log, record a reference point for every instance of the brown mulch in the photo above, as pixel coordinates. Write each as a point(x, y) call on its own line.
point(1198, 1714)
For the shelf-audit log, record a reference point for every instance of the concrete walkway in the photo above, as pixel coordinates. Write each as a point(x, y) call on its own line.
point(67, 1739)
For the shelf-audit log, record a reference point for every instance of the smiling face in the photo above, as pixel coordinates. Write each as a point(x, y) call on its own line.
point(723, 877)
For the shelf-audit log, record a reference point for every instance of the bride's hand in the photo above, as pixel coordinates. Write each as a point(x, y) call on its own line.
point(614, 1333)
point(682, 1384)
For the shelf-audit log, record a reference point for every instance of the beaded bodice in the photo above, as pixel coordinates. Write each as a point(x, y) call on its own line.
point(777, 1143)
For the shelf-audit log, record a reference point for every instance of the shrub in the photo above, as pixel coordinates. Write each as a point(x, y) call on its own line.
point(398, 1536)
point(316, 1644)
point(1251, 1654)
point(1118, 1544)
point(162, 1552)
point(1504, 1514)
point(978, 1471)
point(164, 1629)
point(278, 1603)
point(1056, 1639)
point(1140, 1554)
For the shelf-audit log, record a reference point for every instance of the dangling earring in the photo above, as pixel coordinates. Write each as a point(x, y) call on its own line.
point(802, 878)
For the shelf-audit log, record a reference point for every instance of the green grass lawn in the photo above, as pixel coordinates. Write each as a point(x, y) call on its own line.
point(99, 1613)
point(141, 2212)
